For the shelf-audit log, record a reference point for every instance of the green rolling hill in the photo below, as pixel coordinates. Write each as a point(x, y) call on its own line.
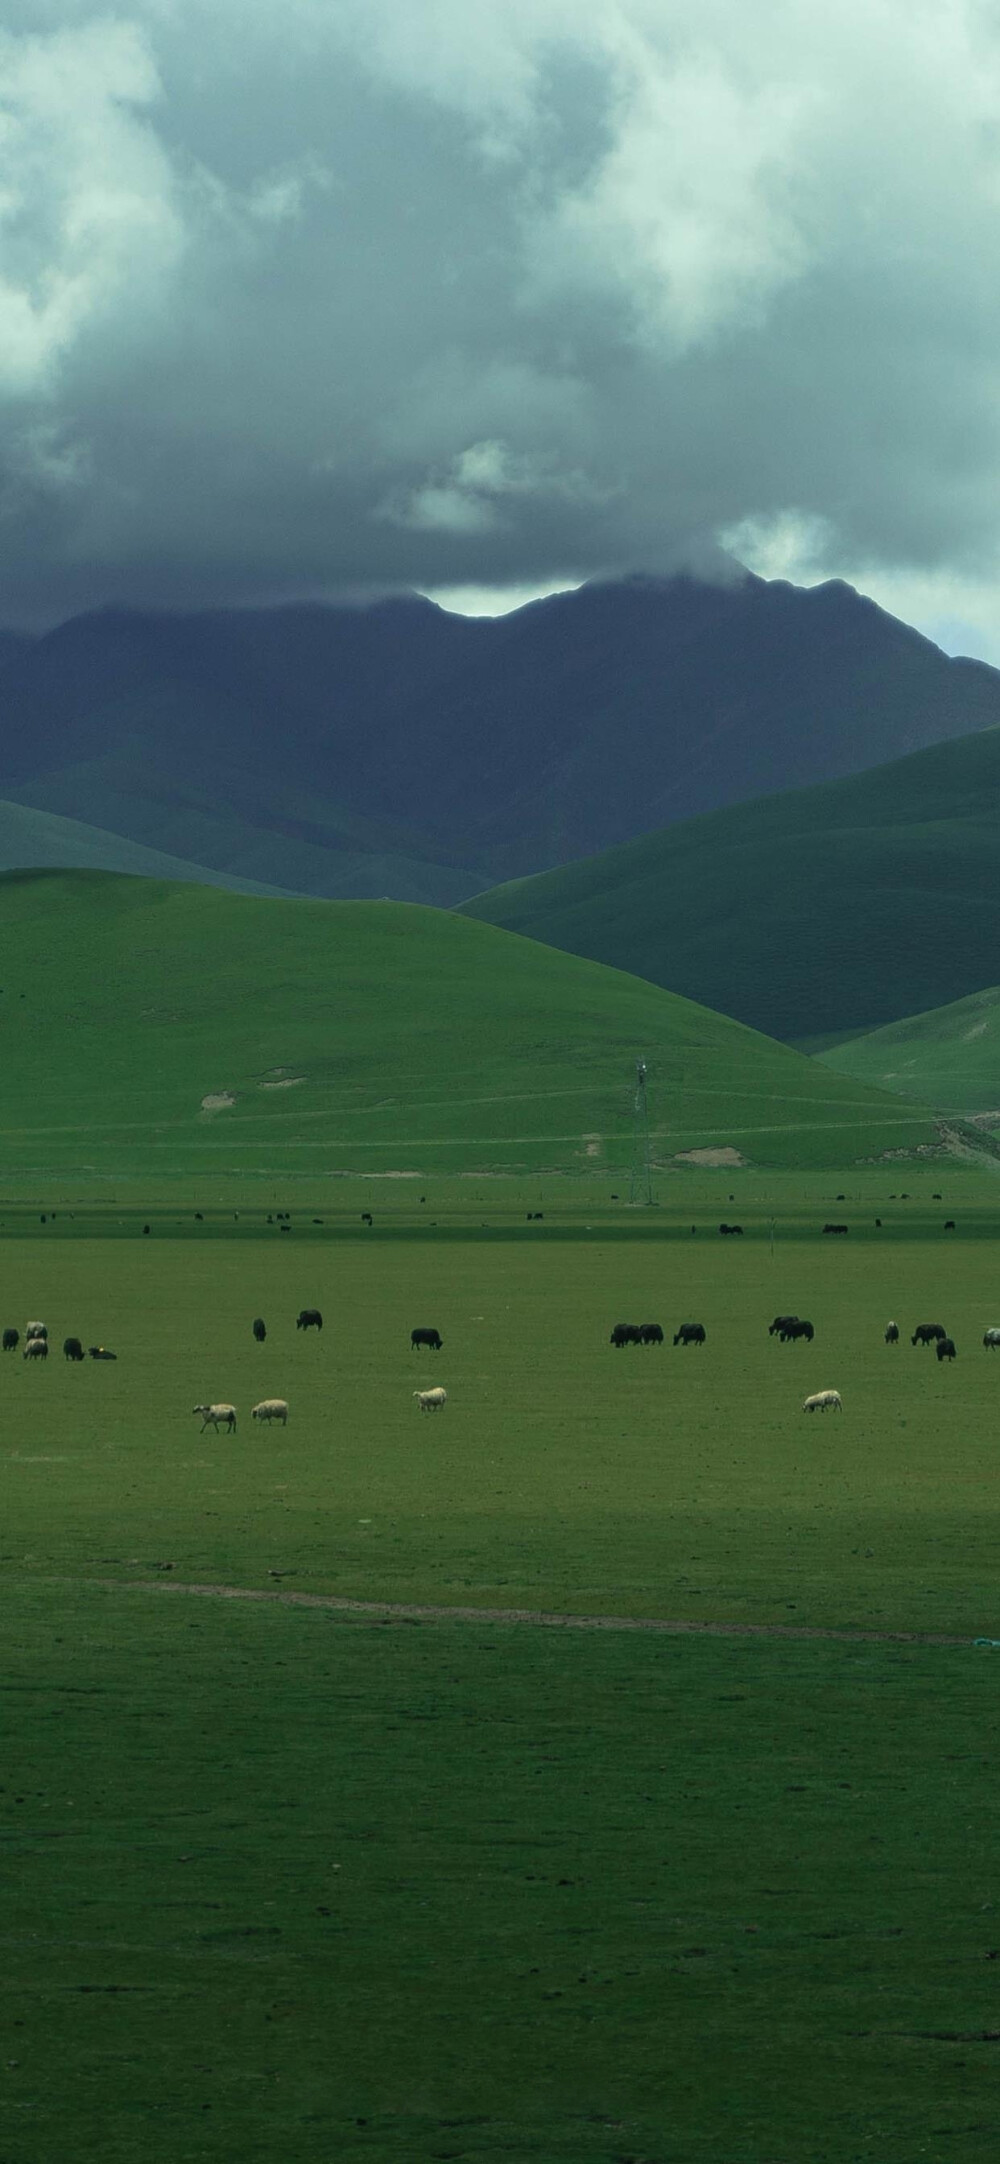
point(33, 840)
point(153, 1029)
point(949, 1058)
point(827, 910)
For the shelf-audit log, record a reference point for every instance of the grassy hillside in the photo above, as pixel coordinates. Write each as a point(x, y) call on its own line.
point(836, 908)
point(949, 1057)
point(149, 1028)
point(33, 840)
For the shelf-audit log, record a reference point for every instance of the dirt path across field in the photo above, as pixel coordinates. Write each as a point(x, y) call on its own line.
point(385, 1611)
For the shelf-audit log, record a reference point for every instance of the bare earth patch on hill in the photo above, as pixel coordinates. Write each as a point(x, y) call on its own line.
point(727, 1156)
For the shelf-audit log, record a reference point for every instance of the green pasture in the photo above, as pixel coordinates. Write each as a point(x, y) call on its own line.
point(949, 1057)
point(563, 1474)
point(153, 1032)
point(285, 1886)
point(283, 1882)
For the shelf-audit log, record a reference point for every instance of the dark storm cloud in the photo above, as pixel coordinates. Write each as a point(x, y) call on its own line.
point(357, 293)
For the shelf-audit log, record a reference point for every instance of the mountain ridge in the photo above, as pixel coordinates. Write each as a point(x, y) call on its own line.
point(479, 749)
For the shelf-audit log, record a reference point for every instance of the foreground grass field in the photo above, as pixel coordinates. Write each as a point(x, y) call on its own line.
point(563, 1474)
point(288, 1883)
point(284, 1886)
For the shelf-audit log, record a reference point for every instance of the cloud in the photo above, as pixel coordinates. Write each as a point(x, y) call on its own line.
point(379, 292)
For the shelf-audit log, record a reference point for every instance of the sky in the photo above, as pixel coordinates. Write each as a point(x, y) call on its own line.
point(350, 295)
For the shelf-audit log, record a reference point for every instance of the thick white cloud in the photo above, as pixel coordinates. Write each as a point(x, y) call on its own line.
point(403, 291)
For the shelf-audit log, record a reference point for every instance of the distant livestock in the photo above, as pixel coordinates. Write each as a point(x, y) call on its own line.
point(949, 1224)
point(259, 1329)
point(823, 1401)
point(729, 1230)
point(11, 1340)
point(780, 1325)
point(690, 1333)
point(36, 1348)
point(36, 1329)
point(795, 1329)
point(625, 1333)
point(309, 1318)
point(650, 1333)
point(892, 1333)
point(216, 1416)
point(928, 1333)
point(945, 1348)
point(100, 1352)
point(270, 1409)
point(430, 1400)
point(431, 1338)
point(835, 1228)
point(72, 1349)
point(991, 1340)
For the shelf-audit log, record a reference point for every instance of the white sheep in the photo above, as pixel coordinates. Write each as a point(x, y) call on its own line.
point(36, 1348)
point(429, 1400)
point(992, 1339)
point(216, 1416)
point(271, 1409)
point(36, 1329)
point(821, 1399)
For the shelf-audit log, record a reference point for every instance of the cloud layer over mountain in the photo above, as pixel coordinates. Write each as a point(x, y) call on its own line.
point(368, 292)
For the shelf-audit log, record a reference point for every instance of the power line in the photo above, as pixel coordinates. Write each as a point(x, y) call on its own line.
point(641, 1178)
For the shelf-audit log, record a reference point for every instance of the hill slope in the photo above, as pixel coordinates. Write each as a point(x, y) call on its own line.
point(37, 840)
point(829, 909)
point(397, 749)
point(949, 1057)
point(151, 1028)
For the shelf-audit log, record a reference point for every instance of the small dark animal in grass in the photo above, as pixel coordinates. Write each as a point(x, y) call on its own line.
point(730, 1230)
point(878, 1224)
point(100, 1352)
point(690, 1333)
point(625, 1333)
point(366, 1217)
point(945, 1348)
point(928, 1333)
point(259, 1329)
point(650, 1333)
point(841, 1198)
point(949, 1224)
point(145, 1228)
point(72, 1348)
point(36, 1348)
point(892, 1333)
point(309, 1318)
point(835, 1228)
point(198, 1218)
point(795, 1329)
point(431, 1338)
point(780, 1323)
point(11, 1340)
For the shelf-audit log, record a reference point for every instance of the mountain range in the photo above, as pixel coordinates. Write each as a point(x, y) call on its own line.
point(396, 750)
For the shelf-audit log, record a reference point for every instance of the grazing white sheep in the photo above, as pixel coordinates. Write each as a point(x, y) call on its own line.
point(271, 1409)
point(36, 1329)
point(822, 1399)
point(991, 1339)
point(216, 1416)
point(429, 1400)
point(36, 1348)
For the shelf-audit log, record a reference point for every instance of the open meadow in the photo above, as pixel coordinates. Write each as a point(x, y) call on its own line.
point(288, 1880)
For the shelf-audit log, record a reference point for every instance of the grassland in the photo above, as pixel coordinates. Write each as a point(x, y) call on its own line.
point(283, 1882)
point(156, 1031)
point(949, 1057)
point(836, 908)
point(32, 839)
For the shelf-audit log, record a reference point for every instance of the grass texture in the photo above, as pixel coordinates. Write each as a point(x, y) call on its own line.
point(150, 1030)
point(949, 1057)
